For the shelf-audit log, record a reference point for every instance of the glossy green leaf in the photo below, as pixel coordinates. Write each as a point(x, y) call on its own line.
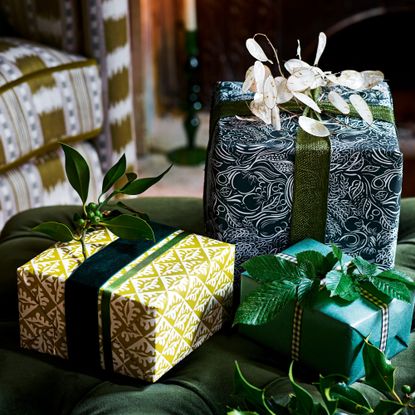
point(249, 392)
point(364, 267)
point(330, 261)
point(264, 304)
point(350, 399)
point(139, 186)
point(56, 230)
point(396, 275)
point(304, 402)
point(239, 412)
point(77, 171)
point(380, 373)
point(325, 385)
point(133, 211)
point(305, 288)
point(338, 254)
point(312, 262)
point(114, 173)
point(393, 289)
point(388, 408)
point(341, 285)
point(129, 227)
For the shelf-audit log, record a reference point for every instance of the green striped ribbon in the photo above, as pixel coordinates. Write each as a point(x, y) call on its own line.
point(312, 166)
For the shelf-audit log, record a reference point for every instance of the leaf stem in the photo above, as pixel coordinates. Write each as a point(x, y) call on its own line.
point(274, 50)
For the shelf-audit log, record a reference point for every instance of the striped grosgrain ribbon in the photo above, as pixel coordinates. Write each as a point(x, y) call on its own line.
point(298, 315)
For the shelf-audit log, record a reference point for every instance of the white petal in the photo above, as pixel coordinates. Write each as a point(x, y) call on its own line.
point(259, 75)
point(301, 80)
point(338, 102)
point(255, 50)
point(283, 93)
point(305, 99)
point(270, 92)
point(351, 79)
point(298, 49)
point(249, 79)
point(261, 111)
point(362, 108)
point(275, 118)
point(322, 40)
point(313, 127)
point(372, 78)
point(293, 64)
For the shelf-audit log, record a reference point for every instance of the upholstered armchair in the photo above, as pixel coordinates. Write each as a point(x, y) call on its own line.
point(64, 77)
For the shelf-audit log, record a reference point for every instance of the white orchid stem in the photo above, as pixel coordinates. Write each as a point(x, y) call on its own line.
point(273, 49)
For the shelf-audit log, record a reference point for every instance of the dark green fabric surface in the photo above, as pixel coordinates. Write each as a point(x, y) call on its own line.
point(31, 383)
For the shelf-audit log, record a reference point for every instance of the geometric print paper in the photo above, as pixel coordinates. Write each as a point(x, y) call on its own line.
point(158, 316)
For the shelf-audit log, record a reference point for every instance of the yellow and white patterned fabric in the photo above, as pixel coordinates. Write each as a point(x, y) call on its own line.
point(51, 90)
point(158, 315)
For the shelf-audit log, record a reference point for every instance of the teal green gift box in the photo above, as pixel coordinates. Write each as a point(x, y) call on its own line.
point(327, 335)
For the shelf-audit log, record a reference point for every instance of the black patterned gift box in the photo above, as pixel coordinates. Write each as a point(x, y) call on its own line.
point(255, 199)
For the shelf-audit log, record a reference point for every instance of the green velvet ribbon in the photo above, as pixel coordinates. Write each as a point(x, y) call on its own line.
point(312, 166)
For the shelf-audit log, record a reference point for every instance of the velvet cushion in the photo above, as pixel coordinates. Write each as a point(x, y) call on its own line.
point(31, 383)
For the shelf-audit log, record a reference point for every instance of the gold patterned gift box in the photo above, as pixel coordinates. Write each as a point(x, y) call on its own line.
point(135, 308)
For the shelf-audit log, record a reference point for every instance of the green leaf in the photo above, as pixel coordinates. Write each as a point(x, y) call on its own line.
point(114, 173)
point(350, 399)
point(325, 385)
point(129, 227)
point(249, 392)
point(264, 304)
point(131, 176)
point(271, 267)
point(364, 267)
point(342, 285)
point(77, 171)
point(338, 254)
point(311, 262)
point(396, 275)
point(393, 289)
point(329, 262)
point(133, 211)
point(304, 402)
point(238, 412)
point(56, 230)
point(388, 408)
point(380, 373)
point(139, 186)
point(305, 288)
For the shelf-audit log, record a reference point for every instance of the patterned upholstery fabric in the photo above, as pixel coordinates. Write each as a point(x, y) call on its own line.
point(53, 90)
point(59, 96)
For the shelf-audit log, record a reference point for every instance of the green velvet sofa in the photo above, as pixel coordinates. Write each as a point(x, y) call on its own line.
point(35, 384)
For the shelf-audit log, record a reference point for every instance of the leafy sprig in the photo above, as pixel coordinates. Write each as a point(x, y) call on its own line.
point(131, 225)
point(281, 280)
point(333, 394)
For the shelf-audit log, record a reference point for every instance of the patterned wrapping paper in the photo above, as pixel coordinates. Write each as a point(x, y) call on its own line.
point(249, 182)
point(157, 317)
point(327, 335)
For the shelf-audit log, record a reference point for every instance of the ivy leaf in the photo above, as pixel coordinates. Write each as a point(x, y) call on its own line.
point(114, 174)
point(139, 186)
point(56, 230)
point(350, 399)
point(304, 404)
point(380, 373)
point(77, 171)
point(396, 275)
point(249, 392)
point(264, 304)
point(364, 267)
point(388, 408)
point(129, 227)
point(393, 289)
point(271, 267)
point(342, 285)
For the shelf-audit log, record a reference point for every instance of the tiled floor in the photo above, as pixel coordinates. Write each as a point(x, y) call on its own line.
point(181, 180)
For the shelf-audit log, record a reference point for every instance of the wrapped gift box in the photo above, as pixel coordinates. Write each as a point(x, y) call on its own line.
point(327, 335)
point(134, 307)
point(250, 171)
